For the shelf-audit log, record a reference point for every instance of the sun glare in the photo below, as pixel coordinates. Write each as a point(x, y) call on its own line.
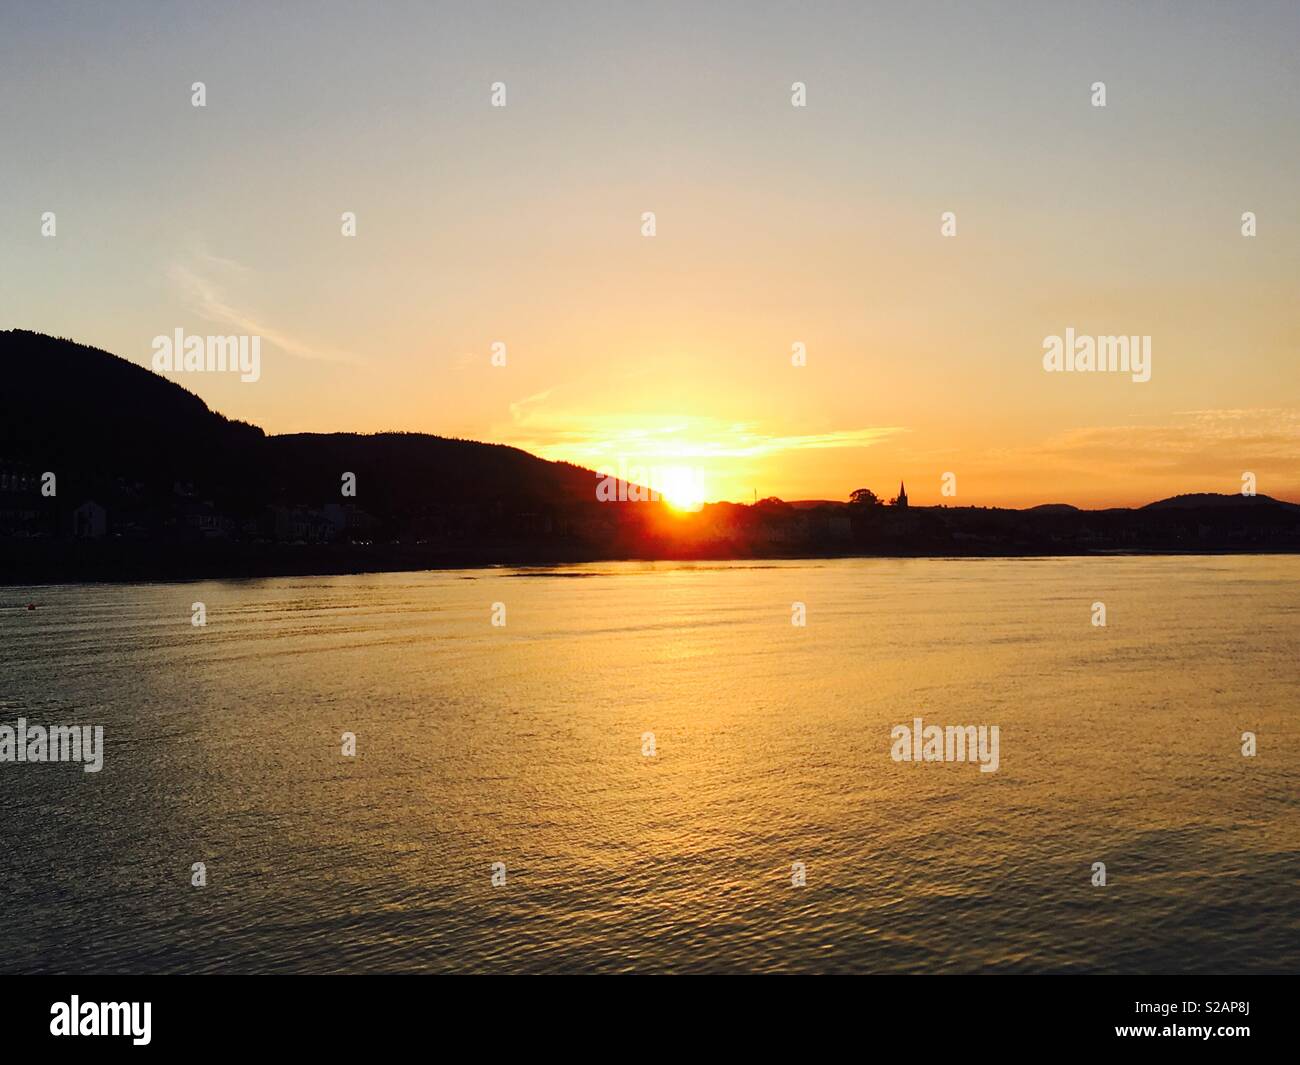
point(681, 488)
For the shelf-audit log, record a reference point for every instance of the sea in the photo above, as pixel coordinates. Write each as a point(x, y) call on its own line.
point(661, 767)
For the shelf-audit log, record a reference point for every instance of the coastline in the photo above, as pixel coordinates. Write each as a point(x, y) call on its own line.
point(58, 563)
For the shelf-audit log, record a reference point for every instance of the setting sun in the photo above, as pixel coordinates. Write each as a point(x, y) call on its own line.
point(681, 487)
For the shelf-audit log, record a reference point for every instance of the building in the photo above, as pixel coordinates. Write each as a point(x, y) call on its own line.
point(90, 521)
point(902, 496)
point(306, 525)
point(202, 520)
point(348, 523)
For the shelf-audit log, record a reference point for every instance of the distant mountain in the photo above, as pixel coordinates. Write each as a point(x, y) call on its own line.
point(1054, 508)
point(1201, 500)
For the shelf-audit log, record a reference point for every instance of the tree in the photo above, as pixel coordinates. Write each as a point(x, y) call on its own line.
point(864, 497)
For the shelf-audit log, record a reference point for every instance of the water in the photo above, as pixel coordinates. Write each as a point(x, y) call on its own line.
point(523, 745)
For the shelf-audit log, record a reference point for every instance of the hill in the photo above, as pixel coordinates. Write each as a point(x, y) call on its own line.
point(110, 428)
point(1213, 500)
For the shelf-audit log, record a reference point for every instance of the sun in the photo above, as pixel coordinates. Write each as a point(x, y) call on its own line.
point(682, 488)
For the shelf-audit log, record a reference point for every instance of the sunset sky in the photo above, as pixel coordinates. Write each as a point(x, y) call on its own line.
point(775, 225)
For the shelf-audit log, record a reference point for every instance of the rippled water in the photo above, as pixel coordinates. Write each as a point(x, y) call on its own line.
point(523, 745)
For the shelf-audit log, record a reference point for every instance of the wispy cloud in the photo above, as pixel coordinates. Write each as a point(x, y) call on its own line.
point(207, 299)
point(1201, 437)
point(519, 408)
point(586, 438)
point(1194, 448)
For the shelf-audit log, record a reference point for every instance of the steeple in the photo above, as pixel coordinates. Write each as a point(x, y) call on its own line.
point(902, 495)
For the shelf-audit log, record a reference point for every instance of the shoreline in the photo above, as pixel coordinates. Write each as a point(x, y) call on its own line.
point(113, 564)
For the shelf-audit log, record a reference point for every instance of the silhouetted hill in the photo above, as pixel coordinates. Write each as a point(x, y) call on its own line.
point(1200, 500)
point(91, 416)
point(405, 472)
point(107, 426)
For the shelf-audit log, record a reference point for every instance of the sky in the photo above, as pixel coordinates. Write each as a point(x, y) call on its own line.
point(775, 226)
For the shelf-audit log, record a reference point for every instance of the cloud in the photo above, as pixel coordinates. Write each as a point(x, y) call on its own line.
point(208, 301)
point(1203, 436)
point(585, 438)
point(519, 408)
point(1196, 447)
